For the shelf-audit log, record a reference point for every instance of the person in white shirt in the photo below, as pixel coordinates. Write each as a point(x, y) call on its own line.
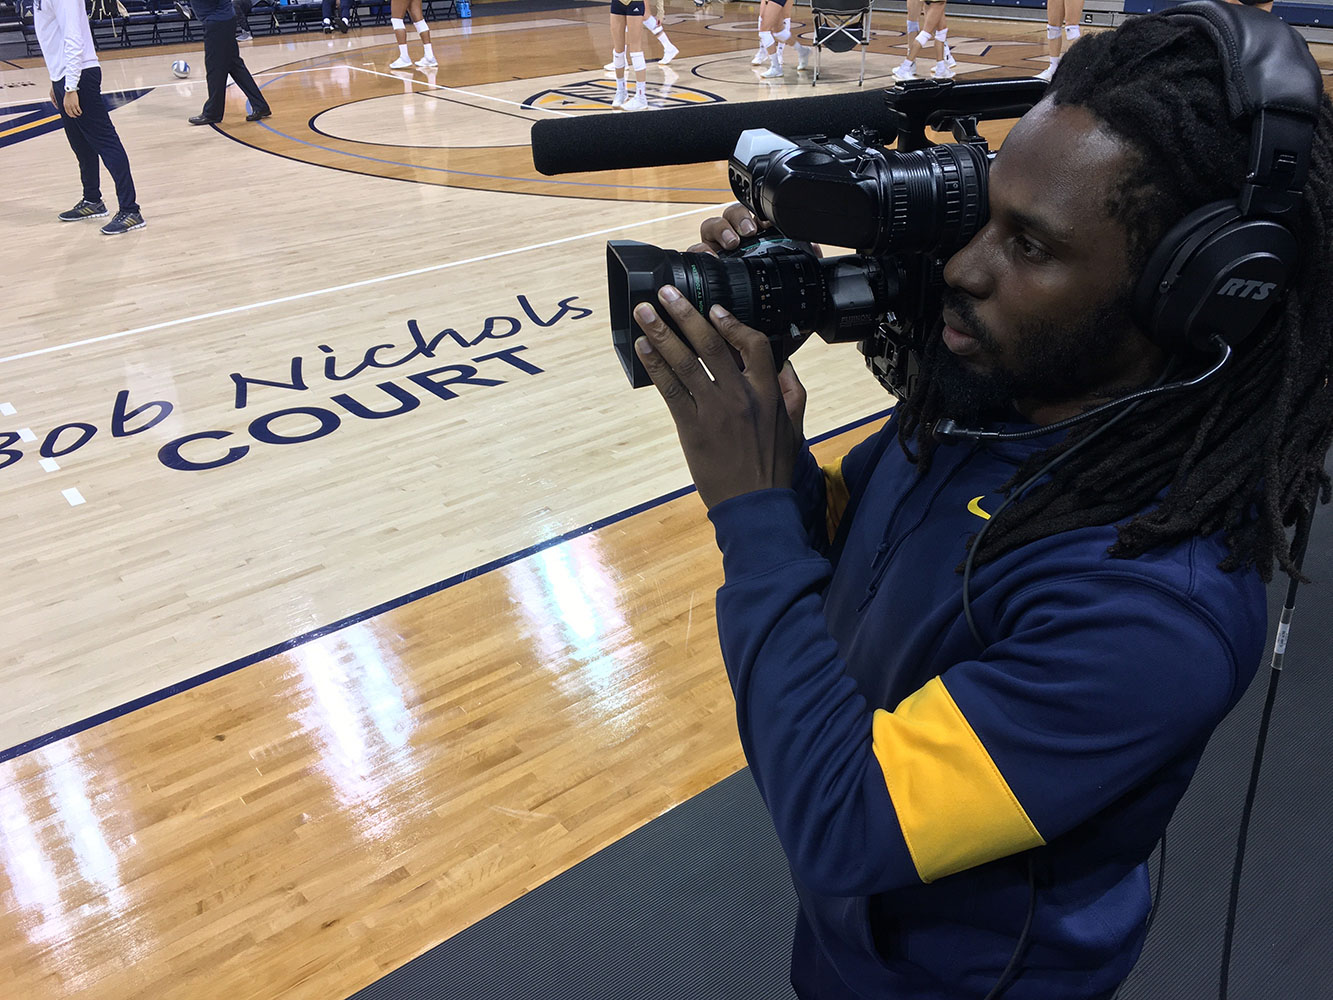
point(76, 90)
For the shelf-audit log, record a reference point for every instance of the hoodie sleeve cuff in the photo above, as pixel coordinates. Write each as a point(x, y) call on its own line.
point(759, 531)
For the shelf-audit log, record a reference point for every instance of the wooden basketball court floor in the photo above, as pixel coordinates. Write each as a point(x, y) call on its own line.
point(350, 591)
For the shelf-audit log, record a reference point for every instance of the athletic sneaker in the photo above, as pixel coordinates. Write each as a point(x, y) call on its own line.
point(1047, 73)
point(669, 52)
point(760, 58)
point(123, 223)
point(907, 71)
point(942, 71)
point(402, 62)
point(244, 36)
point(948, 57)
point(621, 96)
point(84, 210)
point(772, 73)
point(802, 56)
point(343, 25)
point(638, 102)
point(427, 62)
point(328, 26)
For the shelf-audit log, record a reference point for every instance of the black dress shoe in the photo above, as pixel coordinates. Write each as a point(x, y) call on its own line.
point(204, 120)
point(254, 116)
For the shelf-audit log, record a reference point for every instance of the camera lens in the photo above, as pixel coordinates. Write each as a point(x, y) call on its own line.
point(777, 289)
point(936, 198)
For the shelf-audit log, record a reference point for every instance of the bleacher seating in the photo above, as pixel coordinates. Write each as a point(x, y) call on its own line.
point(124, 23)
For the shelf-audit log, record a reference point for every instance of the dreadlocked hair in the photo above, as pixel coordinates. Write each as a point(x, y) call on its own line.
point(1244, 452)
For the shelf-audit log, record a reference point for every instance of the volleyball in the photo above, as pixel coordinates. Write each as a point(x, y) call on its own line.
point(180, 68)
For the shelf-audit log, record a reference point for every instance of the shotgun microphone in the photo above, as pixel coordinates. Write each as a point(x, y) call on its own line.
point(696, 135)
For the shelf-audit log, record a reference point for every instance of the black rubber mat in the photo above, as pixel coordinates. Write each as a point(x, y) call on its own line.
point(1283, 947)
point(697, 903)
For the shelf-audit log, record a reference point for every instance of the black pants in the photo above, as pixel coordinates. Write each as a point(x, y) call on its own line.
point(222, 58)
point(91, 136)
point(344, 9)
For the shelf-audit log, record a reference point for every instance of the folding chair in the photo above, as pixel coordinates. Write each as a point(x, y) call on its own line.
point(840, 26)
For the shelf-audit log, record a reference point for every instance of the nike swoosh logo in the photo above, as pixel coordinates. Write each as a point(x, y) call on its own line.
point(974, 507)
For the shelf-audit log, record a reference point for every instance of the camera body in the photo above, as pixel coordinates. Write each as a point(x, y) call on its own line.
point(905, 212)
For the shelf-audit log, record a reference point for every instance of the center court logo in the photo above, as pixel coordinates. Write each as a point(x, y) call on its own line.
point(597, 95)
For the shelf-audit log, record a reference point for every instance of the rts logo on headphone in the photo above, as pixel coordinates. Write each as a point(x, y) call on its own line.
point(1255, 291)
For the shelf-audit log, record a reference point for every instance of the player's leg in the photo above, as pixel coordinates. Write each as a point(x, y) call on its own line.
point(783, 36)
point(1055, 13)
point(771, 14)
point(397, 11)
point(764, 54)
point(618, 59)
point(908, 68)
point(654, 25)
point(427, 60)
point(939, 31)
point(634, 43)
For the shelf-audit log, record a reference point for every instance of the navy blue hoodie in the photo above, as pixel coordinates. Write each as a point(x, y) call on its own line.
point(914, 778)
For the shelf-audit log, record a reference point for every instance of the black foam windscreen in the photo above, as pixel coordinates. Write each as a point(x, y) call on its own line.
point(695, 135)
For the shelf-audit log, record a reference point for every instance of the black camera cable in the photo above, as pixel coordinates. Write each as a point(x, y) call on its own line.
point(1298, 545)
point(948, 431)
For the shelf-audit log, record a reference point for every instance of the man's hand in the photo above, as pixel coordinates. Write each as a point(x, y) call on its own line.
point(72, 104)
point(739, 428)
point(721, 234)
point(726, 233)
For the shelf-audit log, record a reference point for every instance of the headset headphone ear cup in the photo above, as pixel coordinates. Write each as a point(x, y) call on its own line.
point(1213, 273)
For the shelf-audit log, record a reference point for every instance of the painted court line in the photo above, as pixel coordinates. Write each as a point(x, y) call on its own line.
point(26, 434)
point(342, 288)
point(7, 409)
point(287, 645)
point(49, 464)
point(456, 90)
point(73, 496)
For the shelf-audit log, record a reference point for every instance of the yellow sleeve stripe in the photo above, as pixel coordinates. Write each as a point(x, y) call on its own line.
point(955, 809)
point(836, 496)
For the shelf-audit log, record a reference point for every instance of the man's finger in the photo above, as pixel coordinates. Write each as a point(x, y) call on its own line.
point(753, 346)
point(719, 234)
point(678, 399)
point(708, 346)
point(740, 219)
point(674, 353)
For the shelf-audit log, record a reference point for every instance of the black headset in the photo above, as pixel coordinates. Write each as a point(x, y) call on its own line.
point(1221, 269)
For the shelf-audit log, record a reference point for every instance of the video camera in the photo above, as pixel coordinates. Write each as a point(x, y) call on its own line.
point(906, 211)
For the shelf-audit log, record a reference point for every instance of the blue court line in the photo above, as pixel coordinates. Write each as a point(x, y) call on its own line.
point(460, 173)
point(162, 694)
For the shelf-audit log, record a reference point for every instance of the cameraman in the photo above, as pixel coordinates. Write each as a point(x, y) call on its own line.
point(964, 819)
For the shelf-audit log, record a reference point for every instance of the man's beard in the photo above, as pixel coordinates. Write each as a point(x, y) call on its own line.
point(1050, 362)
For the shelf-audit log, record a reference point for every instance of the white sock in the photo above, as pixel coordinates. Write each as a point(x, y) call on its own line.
point(429, 51)
point(402, 52)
